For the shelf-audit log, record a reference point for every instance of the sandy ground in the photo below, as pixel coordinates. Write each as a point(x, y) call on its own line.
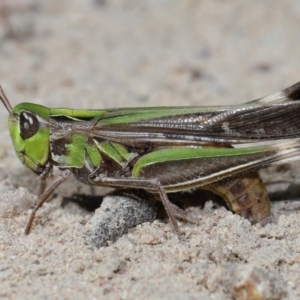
point(98, 54)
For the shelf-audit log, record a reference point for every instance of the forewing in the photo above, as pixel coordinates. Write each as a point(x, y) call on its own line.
point(201, 125)
point(292, 93)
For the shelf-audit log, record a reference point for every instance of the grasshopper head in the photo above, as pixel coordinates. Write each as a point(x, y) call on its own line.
point(29, 130)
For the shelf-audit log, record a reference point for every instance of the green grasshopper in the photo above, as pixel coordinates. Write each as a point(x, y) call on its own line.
point(162, 149)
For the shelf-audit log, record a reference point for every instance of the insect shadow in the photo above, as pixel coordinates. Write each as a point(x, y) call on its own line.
point(288, 191)
point(184, 200)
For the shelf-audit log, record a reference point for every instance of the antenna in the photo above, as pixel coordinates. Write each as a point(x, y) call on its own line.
point(5, 100)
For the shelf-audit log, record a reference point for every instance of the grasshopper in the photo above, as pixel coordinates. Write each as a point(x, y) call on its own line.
point(162, 149)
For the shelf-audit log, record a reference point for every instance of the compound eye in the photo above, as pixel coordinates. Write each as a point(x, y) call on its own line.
point(29, 124)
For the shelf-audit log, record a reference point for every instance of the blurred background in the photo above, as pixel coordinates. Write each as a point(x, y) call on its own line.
point(103, 53)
